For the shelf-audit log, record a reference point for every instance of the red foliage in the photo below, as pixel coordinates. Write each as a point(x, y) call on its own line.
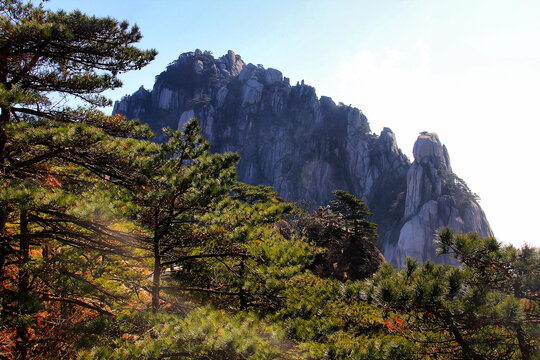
point(52, 182)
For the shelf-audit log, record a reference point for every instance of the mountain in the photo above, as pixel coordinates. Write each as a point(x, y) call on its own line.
point(306, 147)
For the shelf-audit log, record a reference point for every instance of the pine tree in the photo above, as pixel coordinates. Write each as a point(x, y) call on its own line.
point(486, 309)
point(55, 160)
point(199, 333)
point(354, 212)
point(259, 259)
point(182, 181)
point(252, 194)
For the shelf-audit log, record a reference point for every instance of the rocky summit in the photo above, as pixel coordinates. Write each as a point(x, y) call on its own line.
point(306, 147)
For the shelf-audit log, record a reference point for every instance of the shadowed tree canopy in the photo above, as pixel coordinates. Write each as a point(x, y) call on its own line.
point(252, 194)
point(182, 183)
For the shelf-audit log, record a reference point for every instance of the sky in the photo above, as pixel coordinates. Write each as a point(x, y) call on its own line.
point(467, 70)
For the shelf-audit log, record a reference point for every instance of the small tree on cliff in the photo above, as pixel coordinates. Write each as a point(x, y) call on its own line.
point(354, 212)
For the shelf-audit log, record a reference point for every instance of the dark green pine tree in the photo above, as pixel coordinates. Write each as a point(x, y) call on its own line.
point(253, 259)
point(182, 182)
point(354, 212)
point(231, 256)
point(486, 309)
point(252, 194)
point(59, 166)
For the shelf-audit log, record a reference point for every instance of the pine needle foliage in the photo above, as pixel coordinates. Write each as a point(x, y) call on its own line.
point(354, 212)
point(58, 241)
point(182, 182)
point(486, 309)
point(202, 333)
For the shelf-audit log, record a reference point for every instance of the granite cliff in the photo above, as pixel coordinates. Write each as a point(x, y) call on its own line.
point(306, 146)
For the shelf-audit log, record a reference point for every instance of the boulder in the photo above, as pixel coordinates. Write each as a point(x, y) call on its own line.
point(272, 76)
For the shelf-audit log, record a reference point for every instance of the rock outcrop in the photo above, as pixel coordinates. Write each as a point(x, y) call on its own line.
point(435, 198)
point(306, 147)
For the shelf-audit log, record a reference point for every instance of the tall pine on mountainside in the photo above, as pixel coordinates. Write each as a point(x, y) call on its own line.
point(258, 260)
point(57, 166)
point(182, 181)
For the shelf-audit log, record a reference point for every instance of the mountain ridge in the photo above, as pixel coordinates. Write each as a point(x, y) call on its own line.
point(306, 146)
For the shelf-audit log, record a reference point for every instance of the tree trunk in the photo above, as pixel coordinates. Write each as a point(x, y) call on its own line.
point(355, 231)
point(524, 346)
point(157, 274)
point(243, 300)
point(468, 353)
point(5, 118)
point(22, 341)
point(4, 246)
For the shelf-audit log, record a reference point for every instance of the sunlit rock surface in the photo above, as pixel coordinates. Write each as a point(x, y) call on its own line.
point(435, 198)
point(306, 147)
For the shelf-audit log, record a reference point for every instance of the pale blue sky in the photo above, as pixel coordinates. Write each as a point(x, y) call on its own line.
point(468, 70)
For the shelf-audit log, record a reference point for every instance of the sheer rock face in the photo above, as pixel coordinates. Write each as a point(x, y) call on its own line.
point(306, 146)
point(435, 198)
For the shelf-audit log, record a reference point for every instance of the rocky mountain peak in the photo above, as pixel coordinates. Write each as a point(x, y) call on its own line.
point(428, 148)
point(387, 140)
point(306, 147)
point(231, 63)
point(435, 198)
